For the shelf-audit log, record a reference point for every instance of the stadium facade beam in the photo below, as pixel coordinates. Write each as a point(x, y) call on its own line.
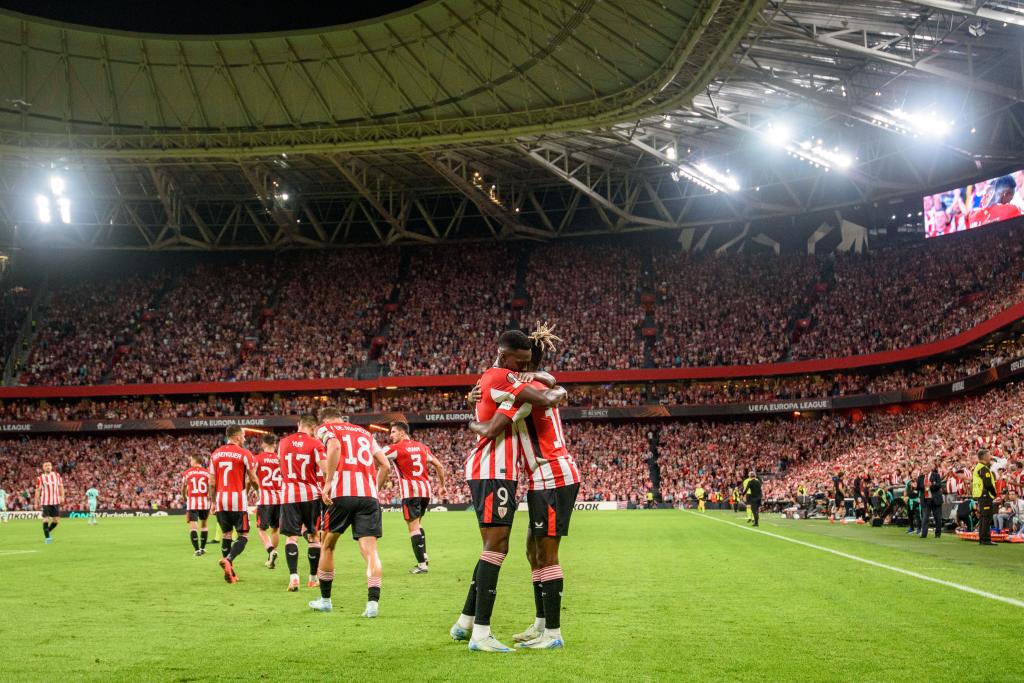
point(856, 43)
point(383, 195)
point(489, 201)
point(595, 182)
point(974, 9)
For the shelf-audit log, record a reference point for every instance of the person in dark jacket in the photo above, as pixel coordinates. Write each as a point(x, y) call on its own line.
point(752, 490)
point(931, 487)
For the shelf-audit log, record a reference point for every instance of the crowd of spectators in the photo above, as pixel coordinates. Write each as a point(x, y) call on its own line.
point(14, 306)
point(85, 322)
point(614, 458)
point(130, 472)
point(199, 330)
point(453, 305)
point(612, 395)
point(319, 315)
point(902, 297)
point(729, 310)
point(325, 316)
point(889, 446)
point(134, 472)
point(592, 296)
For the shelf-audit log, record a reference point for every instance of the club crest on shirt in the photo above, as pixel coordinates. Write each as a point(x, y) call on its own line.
point(512, 379)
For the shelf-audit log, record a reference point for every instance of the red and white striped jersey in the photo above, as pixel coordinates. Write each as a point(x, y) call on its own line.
point(197, 488)
point(498, 458)
point(954, 485)
point(48, 485)
point(228, 465)
point(357, 473)
point(546, 460)
point(411, 459)
point(267, 467)
point(300, 456)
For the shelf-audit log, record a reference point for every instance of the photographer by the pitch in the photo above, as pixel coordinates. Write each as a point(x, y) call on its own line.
point(983, 489)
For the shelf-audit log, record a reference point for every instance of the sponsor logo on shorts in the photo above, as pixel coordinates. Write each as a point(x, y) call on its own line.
point(502, 510)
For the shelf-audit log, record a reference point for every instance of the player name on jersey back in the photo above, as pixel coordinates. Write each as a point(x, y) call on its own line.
point(197, 487)
point(411, 459)
point(300, 457)
point(228, 465)
point(356, 474)
point(267, 467)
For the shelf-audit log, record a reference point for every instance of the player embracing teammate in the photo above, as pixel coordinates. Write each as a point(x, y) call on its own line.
point(503, 403)
point(554, 484)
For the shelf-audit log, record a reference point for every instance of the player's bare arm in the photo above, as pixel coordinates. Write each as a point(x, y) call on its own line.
point(438, 469)
point(473, 397)
point(380, 458)
point(540, 399)
point(333, 455)
point(545, 378)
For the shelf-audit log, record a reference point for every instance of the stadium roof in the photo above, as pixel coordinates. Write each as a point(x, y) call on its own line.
point(460, 119)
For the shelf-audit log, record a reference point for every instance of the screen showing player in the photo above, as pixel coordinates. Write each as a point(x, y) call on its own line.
point(982, 203)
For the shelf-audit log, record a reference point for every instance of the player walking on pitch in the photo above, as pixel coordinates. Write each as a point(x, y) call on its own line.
point(411, 459)
point(266, 465)
point(301, 460)
point(230, 475)
point(195, 488)
point(356, 469)
point(92, 498)
point(49, 495)
point(491, 471)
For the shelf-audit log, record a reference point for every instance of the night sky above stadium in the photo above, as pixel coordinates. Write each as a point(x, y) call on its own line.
point(204, 18)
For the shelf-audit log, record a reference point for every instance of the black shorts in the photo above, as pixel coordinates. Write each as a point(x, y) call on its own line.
point(51, 511)
point(321, 513)
point(233, 521)
point(494, 501)
point(551, 510)
point(268, 517)
point(196, 515)
point(300, 518)
point(359, 512)
point(414, 508)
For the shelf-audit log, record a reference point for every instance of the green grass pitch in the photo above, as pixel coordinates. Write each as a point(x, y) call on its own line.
point(650, 595)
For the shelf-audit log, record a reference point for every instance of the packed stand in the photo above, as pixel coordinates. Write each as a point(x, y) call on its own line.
point(897, 298)
point(453, 305)
point(591, 295)
point(728, 310)
point(324, 317)
point(14, 306)
point(199, 329)
point(84, 323)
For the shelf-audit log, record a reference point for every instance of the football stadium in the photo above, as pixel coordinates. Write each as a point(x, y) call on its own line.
point(322, 326)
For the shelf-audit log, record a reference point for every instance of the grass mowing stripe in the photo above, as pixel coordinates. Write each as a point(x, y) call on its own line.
point(16, 552)
point(873, 563)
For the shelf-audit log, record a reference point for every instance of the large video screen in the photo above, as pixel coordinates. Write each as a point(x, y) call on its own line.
point(982, 203)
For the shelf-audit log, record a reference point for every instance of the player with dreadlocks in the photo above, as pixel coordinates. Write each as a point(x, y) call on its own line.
point(554, 484)
point(492, 470)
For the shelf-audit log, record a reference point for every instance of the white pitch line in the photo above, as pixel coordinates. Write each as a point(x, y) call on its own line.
point(857, 558)
point(16, 552)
